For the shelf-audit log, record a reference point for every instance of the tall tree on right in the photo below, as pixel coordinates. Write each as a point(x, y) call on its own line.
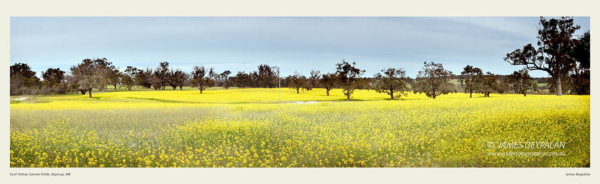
point(433, 80)
point(580, 75)
point(555, 52)
point(349, 77)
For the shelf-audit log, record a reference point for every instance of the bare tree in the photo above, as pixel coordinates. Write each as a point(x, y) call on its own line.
point(433, 80)
point(392, 81)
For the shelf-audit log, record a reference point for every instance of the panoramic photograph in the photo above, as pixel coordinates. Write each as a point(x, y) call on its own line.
point(300, 92)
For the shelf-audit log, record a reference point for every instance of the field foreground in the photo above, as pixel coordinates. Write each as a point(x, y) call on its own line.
point(251, 128)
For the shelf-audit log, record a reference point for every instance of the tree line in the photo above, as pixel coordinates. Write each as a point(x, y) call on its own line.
point(559, 53)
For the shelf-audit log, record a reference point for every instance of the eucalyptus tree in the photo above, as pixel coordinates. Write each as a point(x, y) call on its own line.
point(329, 81)
point(522, 82)
point(555, 51)
point(349, 77)
point(225, 77)
point(297, 82)
point(313, 80)
point(128, 77)
point(392, 81)
point(433, 80)
point(489, 84)
point(471, 79)
point(90, 74)
point(200, 79)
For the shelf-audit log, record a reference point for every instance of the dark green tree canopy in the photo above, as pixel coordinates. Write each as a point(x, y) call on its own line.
point(23, 69)
point(53, 76)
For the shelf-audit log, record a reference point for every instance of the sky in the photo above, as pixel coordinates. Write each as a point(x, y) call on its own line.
point(295, 44)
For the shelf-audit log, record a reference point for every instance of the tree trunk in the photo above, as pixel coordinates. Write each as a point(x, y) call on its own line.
point(471, 94)
point(297, 90)
point(200, 90)
point(327, 92)
point(433, 94)
point(115, 87)
point(524, 94)
point(392, 94)
point(558, 86)
point(348, 95)
point(180, 87)
point(174, 88)
point(90, 92)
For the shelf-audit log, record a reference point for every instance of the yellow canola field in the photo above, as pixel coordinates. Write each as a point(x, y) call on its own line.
point(250, 128)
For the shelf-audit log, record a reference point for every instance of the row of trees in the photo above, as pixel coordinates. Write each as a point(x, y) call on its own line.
point(475, 81)
point(433, 80)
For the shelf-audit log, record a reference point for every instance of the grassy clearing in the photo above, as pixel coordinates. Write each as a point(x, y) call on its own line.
point(251, 128)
